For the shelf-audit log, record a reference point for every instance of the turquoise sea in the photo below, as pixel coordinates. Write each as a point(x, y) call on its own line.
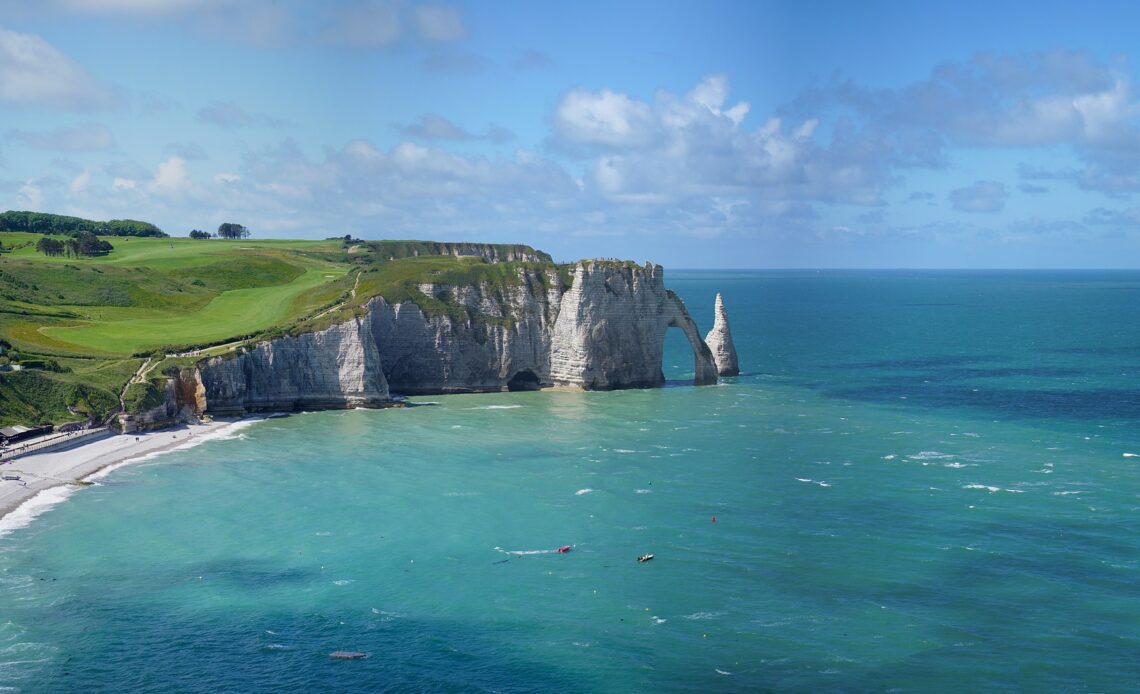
point(922, 481)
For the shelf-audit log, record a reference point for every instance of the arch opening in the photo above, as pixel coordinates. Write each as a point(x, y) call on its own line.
point(524, 380)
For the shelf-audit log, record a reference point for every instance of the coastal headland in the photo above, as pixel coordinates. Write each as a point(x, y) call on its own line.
point(156, 335)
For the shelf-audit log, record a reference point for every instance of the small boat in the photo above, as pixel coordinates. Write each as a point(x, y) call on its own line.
point(644, 558)
point(13, 478)
point(564, 549)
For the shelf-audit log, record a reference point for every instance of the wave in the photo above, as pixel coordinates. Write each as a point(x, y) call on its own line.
point(580, 492)
point(525, 552)
point(25, 513)
point(819, 482)
point(929, 455)
point(497, 407)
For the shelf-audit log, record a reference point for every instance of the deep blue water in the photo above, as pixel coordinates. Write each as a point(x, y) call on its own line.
point(921, 481)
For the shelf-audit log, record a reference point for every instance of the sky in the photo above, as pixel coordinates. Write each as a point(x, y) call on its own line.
point(696, 135)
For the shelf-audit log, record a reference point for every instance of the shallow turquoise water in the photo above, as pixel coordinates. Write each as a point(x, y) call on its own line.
point(921, 481)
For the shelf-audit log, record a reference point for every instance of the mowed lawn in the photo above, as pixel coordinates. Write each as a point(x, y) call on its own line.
point(254, 285)
point(231, 314)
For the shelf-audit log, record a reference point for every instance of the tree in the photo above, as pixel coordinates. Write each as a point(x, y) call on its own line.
point(229, 230)
point(199, 234)
point(50, 247)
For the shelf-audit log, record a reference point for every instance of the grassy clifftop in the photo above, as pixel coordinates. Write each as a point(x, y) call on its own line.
point(93, 320)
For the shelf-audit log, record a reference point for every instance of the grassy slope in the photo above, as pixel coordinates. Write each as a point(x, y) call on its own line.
point(96, 317)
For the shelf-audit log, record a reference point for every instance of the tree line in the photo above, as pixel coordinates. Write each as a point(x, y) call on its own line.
point(226, 230)
point(44, 223)
point(84, 243)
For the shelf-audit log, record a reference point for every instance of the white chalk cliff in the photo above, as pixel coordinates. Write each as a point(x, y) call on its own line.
point(610, 331)
point(605, 331)
point(334, 368)
point(719, 341)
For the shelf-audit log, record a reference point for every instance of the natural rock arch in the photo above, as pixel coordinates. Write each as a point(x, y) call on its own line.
point(704, 367)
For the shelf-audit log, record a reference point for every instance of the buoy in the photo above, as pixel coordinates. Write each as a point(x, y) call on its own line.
point(714, 520)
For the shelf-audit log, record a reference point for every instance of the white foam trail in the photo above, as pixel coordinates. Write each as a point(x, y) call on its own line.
point(580, 492)
point(498, 407)
point(722, 672)
point(525, 552)
point(623, 450)
point(1130, 455)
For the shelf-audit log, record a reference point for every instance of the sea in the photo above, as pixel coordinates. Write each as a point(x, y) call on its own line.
point(920, 481)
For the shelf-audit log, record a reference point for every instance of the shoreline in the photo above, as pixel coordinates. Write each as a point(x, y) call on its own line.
point(73, 467)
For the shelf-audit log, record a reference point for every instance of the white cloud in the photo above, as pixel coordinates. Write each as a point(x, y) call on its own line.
point(80, 138)
point(171, 178)
point(439, 23)
point(79, 183)
point(33, 73)
point(604, 118)
point(121, 184)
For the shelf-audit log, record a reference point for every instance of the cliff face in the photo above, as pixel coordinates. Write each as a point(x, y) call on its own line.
point(611, 328)
point(334, 368)
point(720, 342)
point(500, 342)
point(523, 332)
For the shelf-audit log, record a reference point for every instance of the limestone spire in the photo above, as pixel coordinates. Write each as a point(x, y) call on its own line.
point(719, 341)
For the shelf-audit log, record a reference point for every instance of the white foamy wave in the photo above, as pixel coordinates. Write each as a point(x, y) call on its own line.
point(929, 455)
point(722, 672)
point(642, 491)
point(955, 465)
point(462, 494)
point(704, 615)
point(1130, 455)
point(982, 486)
point(819, 482)
point(230, 431)
point(26, 512)
point(344, 581)
point(623, 450)
point(580, 492)
point(525, 552)
point(1066, 493)
point(497, 407)
point(890, 456)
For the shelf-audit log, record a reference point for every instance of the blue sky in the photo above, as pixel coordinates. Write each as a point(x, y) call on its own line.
point(754, 134)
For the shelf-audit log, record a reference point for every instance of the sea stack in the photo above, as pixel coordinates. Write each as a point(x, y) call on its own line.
point(719, 341)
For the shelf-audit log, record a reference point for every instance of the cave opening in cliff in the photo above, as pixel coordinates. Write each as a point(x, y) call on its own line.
point(524, 380)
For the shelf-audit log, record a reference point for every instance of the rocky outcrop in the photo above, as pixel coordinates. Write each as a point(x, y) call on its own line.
point(611, 325)
point(334, 368)
point(495, 338)
point(719, 341)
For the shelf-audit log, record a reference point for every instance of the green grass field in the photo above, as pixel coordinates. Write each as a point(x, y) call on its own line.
point(93, 319)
